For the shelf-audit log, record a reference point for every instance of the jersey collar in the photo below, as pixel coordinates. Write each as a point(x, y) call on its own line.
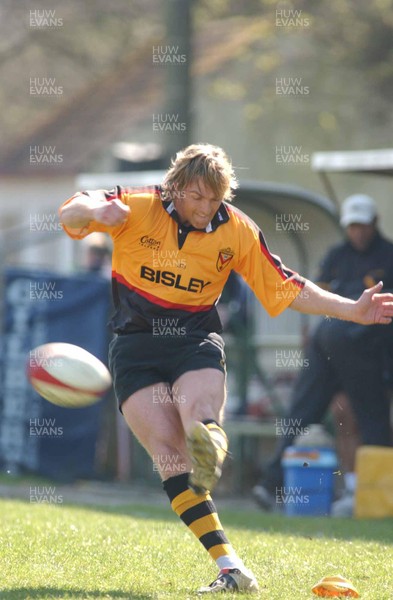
point(221, 217)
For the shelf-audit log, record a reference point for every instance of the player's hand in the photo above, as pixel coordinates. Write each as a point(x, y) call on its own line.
point(373, 307)
point(111, 213)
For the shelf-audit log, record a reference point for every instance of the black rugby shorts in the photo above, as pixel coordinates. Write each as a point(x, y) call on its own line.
point(137, 360)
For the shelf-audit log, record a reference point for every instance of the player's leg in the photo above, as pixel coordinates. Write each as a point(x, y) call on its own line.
point(158, 427)
point(203, 393)
point(201, 411)
point(201, 414)
point(199, 514)
point(197, 376)
point(154, 420)
point(145, 400)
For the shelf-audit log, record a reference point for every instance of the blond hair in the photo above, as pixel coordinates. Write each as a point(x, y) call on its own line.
point(205, 161)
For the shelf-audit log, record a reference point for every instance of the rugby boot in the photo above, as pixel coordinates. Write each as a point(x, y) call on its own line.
point(208, 447)
point(232, 581)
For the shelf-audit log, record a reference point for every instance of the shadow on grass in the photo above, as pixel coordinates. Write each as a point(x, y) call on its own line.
point(26, 593)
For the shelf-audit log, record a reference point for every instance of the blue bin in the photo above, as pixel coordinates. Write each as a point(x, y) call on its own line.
point(308, 481)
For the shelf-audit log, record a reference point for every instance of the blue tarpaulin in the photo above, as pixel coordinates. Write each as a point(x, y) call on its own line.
point(41, 307)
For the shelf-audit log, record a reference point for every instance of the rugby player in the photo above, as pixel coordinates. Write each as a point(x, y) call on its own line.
point(174, 246)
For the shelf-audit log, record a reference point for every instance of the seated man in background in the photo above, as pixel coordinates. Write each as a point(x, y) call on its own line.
point(342, 356)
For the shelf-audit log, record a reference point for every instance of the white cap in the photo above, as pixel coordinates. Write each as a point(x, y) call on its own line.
point(358, 208)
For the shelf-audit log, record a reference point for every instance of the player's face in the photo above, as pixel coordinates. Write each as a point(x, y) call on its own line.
point(196, 204)
point(361, 235)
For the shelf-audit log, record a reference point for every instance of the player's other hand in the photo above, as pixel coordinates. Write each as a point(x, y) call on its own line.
point(373, 307)
point(111, 213)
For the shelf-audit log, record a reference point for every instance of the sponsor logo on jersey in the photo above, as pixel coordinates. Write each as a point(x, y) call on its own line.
point(224, 258)
point(149, 242)
point(180, 282)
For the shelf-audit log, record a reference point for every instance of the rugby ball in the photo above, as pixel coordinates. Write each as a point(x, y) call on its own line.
point(67, 375)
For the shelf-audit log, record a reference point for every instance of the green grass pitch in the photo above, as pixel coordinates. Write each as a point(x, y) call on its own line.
point(145, 553)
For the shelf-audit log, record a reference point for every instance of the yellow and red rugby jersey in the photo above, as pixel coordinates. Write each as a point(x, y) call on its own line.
point(163, 269)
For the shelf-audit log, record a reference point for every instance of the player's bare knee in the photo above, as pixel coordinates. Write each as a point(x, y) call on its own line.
point(201, 409)
point(203, 394)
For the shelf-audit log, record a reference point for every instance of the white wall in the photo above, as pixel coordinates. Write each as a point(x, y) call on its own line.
point(30, 233)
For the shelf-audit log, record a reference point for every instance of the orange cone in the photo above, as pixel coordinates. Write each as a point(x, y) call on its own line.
point(335, 587)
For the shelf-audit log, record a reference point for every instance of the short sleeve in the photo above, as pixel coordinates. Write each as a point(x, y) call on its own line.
point(275, 285)
point(140, 202)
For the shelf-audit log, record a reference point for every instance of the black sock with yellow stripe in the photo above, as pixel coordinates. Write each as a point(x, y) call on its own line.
point(199, 514)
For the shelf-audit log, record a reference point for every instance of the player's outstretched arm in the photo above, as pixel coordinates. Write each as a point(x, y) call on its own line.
point(93, 207)
point(371, 308)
